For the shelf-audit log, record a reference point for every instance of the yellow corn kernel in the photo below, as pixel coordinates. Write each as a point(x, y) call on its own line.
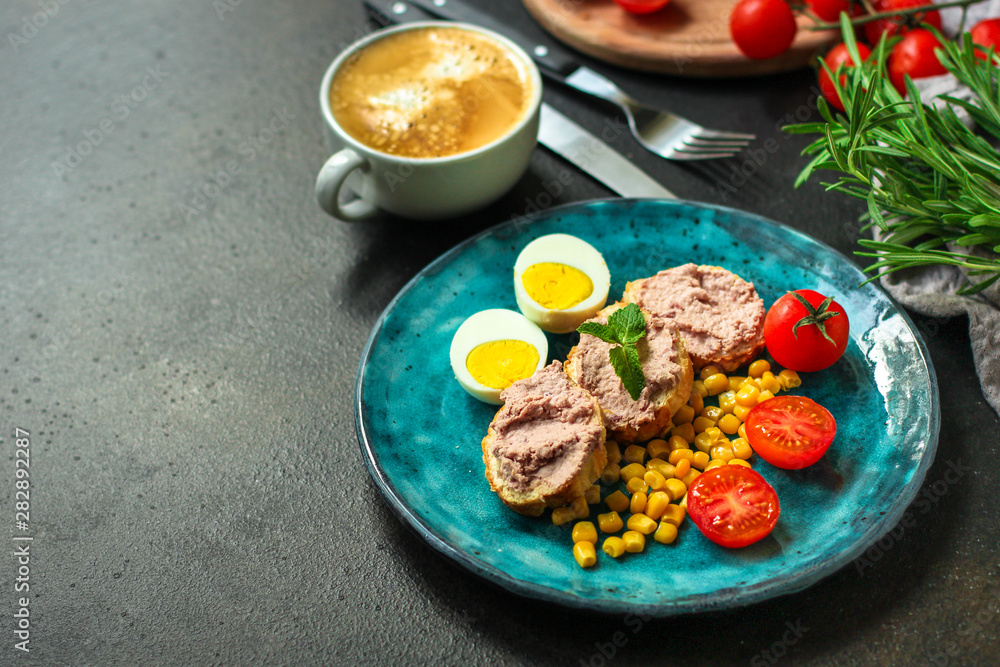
point(631, 471)
point(683, 502)
point(789, 379)
point(739, 462)
point(714, 463)
point(636, 485)
point(684, 415)
point(716, 384)
point(660, 466)
point(697, 402)
point(580, 508)
point(675, 488)
point(735, 381)
point(713, 412)
point(700, 424)
point(758, 367)
point(617, 501)
point(722, 451)
point(743, 431)
point(730, 424)
point(677, 442)
point(584, 531)
point(741, 448)
point(613, 546)
point(727, 400)
point(764, 395)
point(679, 454)
point(673, 514)
point(561, 515)
point(638, 503)
point(656, 505)
point(741, 411)
point(585, 554)
point(769, 382)
point(655, 480)
point(704, 441)
point(610, 522)
point(612, 473)
point(683, 468)
point(641, 524)
point(634, 454)
point(689, 478)
point(593, 494)
point(699, 389)
point(635, 542)
point(614, 451)
point(751, 382)
point(700, 460)
point(658, 448)
point(665, 533)
point(747, 395)
point(683, 431)
point(707, 372)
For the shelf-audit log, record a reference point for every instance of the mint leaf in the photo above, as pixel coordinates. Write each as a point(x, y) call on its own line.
point(625, 361)
point(628, 323)
point(602, 331)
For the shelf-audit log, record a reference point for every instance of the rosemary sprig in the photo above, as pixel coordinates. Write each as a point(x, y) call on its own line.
point(928, 179)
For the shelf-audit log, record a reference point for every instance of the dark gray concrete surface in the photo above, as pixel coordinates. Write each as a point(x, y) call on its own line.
point(182, 345)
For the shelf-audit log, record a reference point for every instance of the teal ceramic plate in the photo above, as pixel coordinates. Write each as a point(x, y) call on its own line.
point(420, 432)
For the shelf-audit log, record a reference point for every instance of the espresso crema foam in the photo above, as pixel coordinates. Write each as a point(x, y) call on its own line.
point(430, 92)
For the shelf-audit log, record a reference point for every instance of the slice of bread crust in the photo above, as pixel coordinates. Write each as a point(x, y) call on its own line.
point(541, 493)
point(665, 401)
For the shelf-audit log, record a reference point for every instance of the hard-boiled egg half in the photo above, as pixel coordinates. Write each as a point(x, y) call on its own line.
point(494, 349)
point(560, 281)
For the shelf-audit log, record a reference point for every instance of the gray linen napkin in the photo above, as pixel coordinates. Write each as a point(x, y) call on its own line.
point(932, 291)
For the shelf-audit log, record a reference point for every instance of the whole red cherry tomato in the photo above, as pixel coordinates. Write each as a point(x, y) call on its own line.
point(733, 505)
point(790, 432)
point(642, 6)
point(838, 54)
point(986, 33)
point(891, 25)
point(914, 55)
point(829, 10)
point(805, 331)
point(762, 28)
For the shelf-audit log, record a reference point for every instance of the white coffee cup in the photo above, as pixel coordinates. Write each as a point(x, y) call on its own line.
point(423, 188)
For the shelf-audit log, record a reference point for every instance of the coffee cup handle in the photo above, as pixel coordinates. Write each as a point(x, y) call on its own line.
point(330, 181)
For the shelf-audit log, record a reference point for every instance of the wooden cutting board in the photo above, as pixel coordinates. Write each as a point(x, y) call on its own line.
point(685, 38)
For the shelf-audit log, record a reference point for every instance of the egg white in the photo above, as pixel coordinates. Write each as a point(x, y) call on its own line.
point(571, 251)
point(484, 327)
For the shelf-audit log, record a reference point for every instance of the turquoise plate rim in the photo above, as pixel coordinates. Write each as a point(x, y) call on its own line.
point(722, 598)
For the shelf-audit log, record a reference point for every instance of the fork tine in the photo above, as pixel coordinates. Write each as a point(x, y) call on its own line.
point(705, 133)
point(685, 155)
point(697, 142)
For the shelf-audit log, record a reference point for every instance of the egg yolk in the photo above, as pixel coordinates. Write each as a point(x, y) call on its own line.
point(556, 286)
point(500, 363)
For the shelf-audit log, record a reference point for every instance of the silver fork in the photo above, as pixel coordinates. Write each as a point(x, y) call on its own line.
point(662, 132)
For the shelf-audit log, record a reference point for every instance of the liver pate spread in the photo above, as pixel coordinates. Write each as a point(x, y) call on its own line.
point(717, 312)
point(545, 430)
point(660, 364)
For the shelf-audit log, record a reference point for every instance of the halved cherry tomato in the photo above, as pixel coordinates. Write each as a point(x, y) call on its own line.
point(838, 54)
point(803, 337)
point(762, 28)
point(642, 6)
point(733, 505)
point(790, 432)
point(891, 25)
point(914, 55)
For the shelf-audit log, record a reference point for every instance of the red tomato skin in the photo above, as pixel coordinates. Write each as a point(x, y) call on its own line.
point(829, 10)
point(805, 415)
point(986, 33)
point(837, 55)
point(762, 29)
point(749, 487)
point(642, 6)
point(914, 55)
point(874, 29)
point(808, 351)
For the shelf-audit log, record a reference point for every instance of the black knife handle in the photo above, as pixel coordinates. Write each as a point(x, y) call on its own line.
point(547, 54)
point(394, 12)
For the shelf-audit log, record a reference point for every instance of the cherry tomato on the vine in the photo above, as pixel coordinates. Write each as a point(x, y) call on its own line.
point(914, 55)
point(986, 33)
point(733, 505)
point(762, 28)
point(642, 6)
point(805, 331)
point(891, 26)
point(829, 10)
point(790, 432)
point(837, 55)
